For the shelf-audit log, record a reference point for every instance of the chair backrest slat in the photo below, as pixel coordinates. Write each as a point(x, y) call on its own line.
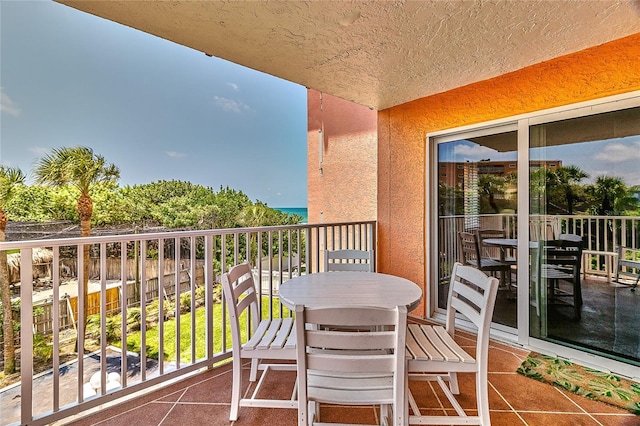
point(351, 366)
point(349, 260)
point(335, 363)
point(345, 316)
point(478, 307)
point(239, 292)
point(470, 293)
point(350, 340)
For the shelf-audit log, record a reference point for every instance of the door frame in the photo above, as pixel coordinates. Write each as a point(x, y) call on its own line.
point(521, 123)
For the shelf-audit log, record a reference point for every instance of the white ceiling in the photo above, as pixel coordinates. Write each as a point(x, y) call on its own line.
point(379, 53)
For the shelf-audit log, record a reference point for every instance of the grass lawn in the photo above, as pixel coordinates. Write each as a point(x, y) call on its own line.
point(152, 336)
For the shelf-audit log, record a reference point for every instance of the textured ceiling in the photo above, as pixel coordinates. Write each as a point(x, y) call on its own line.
point(383, 53)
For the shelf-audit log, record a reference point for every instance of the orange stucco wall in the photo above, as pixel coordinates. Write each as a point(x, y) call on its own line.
point(600, 71)
point(345, 188)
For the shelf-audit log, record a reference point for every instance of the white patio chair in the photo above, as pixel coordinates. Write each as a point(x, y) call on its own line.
point(348, 260)
point(273, 339)
point(351, 367)
point(433, 354)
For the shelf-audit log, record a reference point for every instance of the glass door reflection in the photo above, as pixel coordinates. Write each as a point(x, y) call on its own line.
point(477, 200)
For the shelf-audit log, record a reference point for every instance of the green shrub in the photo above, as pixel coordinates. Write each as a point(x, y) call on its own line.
point(42, 348)
point(185, 302)
point(92, 328)
point(153, 311)
point(134, 318)
point(112, 328)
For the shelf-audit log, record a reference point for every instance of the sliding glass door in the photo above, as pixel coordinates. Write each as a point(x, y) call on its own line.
point(477, 183)
point(585, 185)
point(568, 177)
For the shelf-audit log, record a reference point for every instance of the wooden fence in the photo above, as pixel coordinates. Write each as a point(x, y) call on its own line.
point(69, 268)
point(43, 312)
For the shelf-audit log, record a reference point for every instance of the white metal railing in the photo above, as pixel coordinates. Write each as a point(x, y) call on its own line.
point(601, 235)
point(284, 252)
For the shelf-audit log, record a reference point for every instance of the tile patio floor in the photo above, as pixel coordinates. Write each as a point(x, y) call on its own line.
point(203, 399)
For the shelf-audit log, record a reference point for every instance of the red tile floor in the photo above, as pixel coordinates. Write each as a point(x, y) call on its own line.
point(203, 399)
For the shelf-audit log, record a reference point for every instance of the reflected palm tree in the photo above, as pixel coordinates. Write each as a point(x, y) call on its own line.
point(490, 185)
point(613, 196)
point(567, 178)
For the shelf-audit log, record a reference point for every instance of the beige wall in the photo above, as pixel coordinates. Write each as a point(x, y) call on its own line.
point(357, 168)
point(605, 70)
point(346, 187)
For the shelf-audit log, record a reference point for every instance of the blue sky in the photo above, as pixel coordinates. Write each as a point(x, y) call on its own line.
point(617, 157)
point(156, 109)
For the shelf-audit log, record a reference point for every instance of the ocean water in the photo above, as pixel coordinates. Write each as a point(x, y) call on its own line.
point(300, 211)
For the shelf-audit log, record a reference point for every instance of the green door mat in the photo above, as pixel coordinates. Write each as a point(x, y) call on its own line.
point(593, 384)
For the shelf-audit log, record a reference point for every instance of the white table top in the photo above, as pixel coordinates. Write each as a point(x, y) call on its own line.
point(506, 242)
point(350, 288)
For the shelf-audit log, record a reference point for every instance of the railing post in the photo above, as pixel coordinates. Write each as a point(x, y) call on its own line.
point(26, 335)
point(56, 327)
point(209, 282)
point(303, 245)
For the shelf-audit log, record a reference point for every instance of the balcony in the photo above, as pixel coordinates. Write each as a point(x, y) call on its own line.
point(203, 398)
point(124, 271)
point(195, 385)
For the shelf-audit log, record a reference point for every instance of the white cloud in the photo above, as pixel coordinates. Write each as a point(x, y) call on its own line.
point(233, 86)
point(618, 153)
point(7, 105)
point(230, 104)
point(174, 154)
point(474, 152)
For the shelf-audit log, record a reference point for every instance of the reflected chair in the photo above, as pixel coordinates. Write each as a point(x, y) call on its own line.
point(570, 237)
point(434, 355)
point(349, 260)
point(469, 252)
point(628, 267)
point(493, 252)
point(269, 339)
point(539, 230)
point(559, 271)
point(355, 367)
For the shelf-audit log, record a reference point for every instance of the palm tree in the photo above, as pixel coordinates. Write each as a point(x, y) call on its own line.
point(567, 178)
point(10, 177)
point(611, 193)
point(81, 168)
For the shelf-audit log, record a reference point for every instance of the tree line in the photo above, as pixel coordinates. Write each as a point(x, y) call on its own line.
point(551, 191)
point(76, 184)
point(167, 203)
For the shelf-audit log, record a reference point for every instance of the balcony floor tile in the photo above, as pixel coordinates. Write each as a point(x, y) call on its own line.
point(513, 400)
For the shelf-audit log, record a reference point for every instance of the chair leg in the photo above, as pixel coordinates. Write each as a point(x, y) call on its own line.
point(482, 397)
point(314, 413)
point(254, 369)
point(453, 383)
point(384, 414)
point(236, 388)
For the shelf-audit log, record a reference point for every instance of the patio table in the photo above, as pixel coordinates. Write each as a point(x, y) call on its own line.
point(506, 243)
point(350, 288)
